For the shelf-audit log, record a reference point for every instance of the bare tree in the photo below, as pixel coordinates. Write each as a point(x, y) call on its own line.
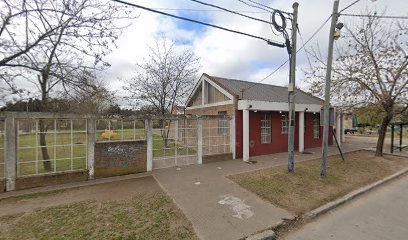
point(56, 42)
point(371, 68)
point(164, 79)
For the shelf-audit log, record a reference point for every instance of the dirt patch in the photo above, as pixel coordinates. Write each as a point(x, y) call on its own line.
point(131, 209)
point(306, 190)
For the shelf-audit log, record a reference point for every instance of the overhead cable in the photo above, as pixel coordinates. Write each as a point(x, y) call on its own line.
point(374, 16)
point(230, 11)
point(287, 60)
point(268, 41)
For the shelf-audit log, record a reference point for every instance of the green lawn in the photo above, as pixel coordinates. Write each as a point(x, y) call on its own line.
point(31, 159)
point(305, 190)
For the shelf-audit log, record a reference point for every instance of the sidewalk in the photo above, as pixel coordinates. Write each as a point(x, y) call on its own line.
point(220, 209)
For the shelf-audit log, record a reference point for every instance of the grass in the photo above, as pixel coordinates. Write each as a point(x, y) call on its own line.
point(145, 216)
point(305, 190)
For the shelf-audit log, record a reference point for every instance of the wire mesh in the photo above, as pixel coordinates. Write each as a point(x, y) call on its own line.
point(51, 145)
point(112, 130)
point(216, 136)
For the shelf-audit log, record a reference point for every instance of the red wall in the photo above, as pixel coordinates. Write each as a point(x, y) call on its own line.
point(279, 141)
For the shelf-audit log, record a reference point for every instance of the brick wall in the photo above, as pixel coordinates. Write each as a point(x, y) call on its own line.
point(119, 158)
point(50, 179)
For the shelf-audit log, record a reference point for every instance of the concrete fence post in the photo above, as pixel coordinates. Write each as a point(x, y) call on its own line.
point(91, 132)
point(149, 139)
point(176, 138)
point(199, 141)
point(10, 152)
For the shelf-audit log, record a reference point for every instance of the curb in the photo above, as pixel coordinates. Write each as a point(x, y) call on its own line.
point(338, 202)
point(265, 235)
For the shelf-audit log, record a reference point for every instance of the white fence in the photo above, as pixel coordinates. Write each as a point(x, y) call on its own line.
point(35, 144)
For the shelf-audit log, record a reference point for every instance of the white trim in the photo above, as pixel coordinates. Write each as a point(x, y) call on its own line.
point(245, 135)
point(211, 105)
point(301, 131)
point(276, 106)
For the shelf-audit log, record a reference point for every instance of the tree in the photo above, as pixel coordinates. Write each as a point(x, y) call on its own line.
point(53, 43)
point(370, 69)
point(164, 79)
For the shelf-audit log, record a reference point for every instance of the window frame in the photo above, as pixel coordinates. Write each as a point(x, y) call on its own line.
point(284, 122)
point(222, 123)
point(316, 126)
point(266, 128)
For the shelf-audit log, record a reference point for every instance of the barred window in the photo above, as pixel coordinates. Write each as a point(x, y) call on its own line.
point(222, 123)
point(285, 122)
point(316, 126)
point(266, 128)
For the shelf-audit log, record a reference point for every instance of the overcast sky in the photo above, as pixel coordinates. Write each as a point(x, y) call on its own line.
point(227, 54)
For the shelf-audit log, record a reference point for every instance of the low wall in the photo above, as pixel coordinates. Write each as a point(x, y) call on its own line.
point(119, 158)
point(50, 179)
point(217, 157)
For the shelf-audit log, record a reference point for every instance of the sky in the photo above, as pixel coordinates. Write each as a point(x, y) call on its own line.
point(227, 54)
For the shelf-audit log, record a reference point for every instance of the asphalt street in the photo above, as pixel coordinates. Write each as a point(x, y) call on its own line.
point(381, 214)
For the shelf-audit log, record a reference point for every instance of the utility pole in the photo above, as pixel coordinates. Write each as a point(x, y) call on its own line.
point(291, 90)
point(326, 113)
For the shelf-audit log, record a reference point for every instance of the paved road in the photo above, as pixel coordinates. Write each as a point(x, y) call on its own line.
point(381, 214)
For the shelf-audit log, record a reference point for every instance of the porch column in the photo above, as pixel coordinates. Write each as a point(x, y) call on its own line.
point(245, 135)
point(301, 132)
point(338, 128)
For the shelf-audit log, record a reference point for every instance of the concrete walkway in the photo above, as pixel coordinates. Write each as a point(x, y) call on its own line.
point(377, 215)
point(220, 209)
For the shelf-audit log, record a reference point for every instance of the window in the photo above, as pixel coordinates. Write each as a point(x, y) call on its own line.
point(222, 123)
point(213, 95)
point(316, 126)
point(285, 122)
point(266, 128)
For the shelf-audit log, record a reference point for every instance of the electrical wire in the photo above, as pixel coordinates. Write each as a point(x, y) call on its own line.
point(376, 16)
point(255, 6)
point(205, 10)
point(287, 60)
point(267, 7)
point(230, 11)
point(270, 42)
point(349, 6)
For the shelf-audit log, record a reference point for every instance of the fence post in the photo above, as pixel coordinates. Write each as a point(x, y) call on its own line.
point(199, 141)
point(11, 151)
point(176, 138)
point(149, 139)
point(91, 132)
point(232, 136)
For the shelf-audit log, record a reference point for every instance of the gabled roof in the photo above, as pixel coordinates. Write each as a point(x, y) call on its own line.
point(262, 92)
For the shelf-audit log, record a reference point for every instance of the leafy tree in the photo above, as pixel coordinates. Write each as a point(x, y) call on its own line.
point(371, 69)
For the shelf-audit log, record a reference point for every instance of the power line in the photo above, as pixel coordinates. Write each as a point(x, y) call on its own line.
point(230, 11)
point(254, 6)
point(266, 7)
point(287, 60)
point(270, 42)
point(205, 10)
point(349, 6)
point(375, 16)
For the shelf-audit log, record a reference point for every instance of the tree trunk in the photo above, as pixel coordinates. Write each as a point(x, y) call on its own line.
point(383, 130)
point(43, 80)
point(43, 144)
